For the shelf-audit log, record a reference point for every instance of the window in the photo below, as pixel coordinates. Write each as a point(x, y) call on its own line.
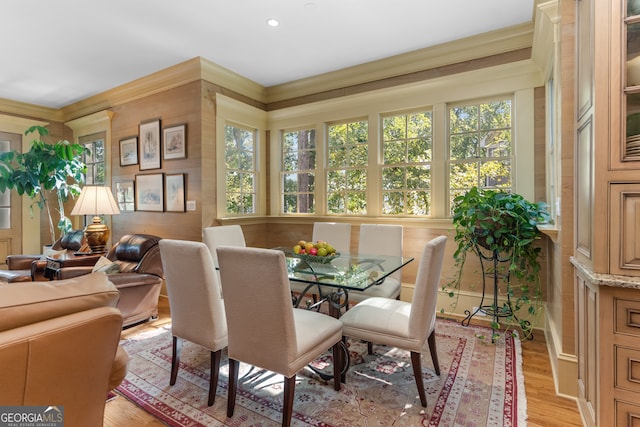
point(407, 147)
point(552, 155)
point(480, 146)
point(240, 170)
point(348, 157)
point(5, 196)
point(94, 159)
point(298, 171)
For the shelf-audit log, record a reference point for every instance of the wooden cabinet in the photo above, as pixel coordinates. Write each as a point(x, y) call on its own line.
point(630, 48)
point(587, 347)
point(619, 356)
point(608, 348)
point(624, 227)
point(607, 210)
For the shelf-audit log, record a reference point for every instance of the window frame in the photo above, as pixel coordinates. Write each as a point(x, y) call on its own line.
point(327, 169)
point(253, 171)
point(231, 111)
point(480, 159)
point(513, 80)
point(382, 165)
point(315, 171)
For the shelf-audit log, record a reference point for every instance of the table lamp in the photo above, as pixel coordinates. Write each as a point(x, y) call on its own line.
point(96, 200)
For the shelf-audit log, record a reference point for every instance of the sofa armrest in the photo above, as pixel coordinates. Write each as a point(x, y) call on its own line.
point(21, 262)
point(31, 302)
point(128, 280)
point(70, 272)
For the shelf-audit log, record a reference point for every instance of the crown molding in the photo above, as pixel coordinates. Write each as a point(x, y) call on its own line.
point(30, 110)
point(480, 46)
point(545, 35)
point(515, 38)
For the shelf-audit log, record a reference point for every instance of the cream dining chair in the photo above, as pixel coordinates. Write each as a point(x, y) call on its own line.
point(380, 239)
point(409, 326)
point(264, 328)
point(222, 235)
point(197, 309)
point(339, 236)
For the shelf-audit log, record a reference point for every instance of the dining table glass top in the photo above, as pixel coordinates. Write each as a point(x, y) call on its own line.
point(344, 270)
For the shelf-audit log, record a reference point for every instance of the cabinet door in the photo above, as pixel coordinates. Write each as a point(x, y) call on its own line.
point(625, 141)
point(625, 229)
point(587, 349)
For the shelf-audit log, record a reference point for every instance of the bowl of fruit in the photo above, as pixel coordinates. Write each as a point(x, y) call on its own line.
point(318, 252)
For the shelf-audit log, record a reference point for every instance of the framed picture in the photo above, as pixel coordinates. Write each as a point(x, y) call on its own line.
point(149, 145)
point(129, 151)
point(175, 142)
point(174, 192)
point(149, 192)
point(125, 195)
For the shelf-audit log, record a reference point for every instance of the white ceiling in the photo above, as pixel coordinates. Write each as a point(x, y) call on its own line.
point(56, 52)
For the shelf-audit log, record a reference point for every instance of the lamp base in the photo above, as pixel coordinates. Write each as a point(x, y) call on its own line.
point(97, 235)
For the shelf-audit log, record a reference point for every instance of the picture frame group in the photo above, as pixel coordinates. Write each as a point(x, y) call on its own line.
point(160, 192)
point(150, 146)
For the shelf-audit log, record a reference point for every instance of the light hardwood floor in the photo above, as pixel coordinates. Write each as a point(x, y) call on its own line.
point(544, 408)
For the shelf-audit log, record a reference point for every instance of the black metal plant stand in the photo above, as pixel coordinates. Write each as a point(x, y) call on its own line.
point(493, 272)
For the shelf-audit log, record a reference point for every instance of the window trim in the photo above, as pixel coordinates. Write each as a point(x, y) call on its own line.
point(231, 111)
point(517, 80)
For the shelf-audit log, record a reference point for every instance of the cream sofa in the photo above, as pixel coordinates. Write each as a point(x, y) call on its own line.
point(59, 346)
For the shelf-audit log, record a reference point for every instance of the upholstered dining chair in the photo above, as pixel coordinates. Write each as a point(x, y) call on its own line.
point(410, 326)
point(222, 235)
point(339, 236)
point(197, 309)
point(380, 239)
point(264, 328)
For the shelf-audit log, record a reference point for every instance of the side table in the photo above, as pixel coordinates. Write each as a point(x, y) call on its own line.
point(68, 259)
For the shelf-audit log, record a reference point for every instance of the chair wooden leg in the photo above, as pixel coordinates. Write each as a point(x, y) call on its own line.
point(175, 359)
point(343, 361)
point(434, 351)
point(337, 365)
point(417, 373)
point(213, 377)
point(233, 386)
point(369, 347)
point(287, 405)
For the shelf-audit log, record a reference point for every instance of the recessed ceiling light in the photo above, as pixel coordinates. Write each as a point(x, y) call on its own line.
point(273, 22)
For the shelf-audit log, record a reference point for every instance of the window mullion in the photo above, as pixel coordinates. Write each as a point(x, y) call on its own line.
point(439, 164)
point(374, 167)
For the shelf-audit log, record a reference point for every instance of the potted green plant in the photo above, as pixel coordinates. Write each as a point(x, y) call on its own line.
point(502, 228)
point(43, 171)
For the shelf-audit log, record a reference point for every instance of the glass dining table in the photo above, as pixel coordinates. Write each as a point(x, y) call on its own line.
point(331, 278)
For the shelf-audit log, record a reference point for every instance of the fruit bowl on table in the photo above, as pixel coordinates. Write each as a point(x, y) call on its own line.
point(308, 258)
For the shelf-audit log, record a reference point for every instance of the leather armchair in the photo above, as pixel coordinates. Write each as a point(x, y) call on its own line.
point(139, 279)
point(26, 268)
point(59, 346)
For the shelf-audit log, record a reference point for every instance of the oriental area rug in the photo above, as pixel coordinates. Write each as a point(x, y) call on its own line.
point(481, 384)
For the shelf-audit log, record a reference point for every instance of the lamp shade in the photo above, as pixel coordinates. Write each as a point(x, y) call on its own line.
point(95, 200)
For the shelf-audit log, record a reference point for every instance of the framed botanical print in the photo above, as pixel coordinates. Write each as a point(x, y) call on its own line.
point(129, 151)
point(175, 142)
point(149, 192)
point(174, 188)
point(149, 145)
point(125, 196)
